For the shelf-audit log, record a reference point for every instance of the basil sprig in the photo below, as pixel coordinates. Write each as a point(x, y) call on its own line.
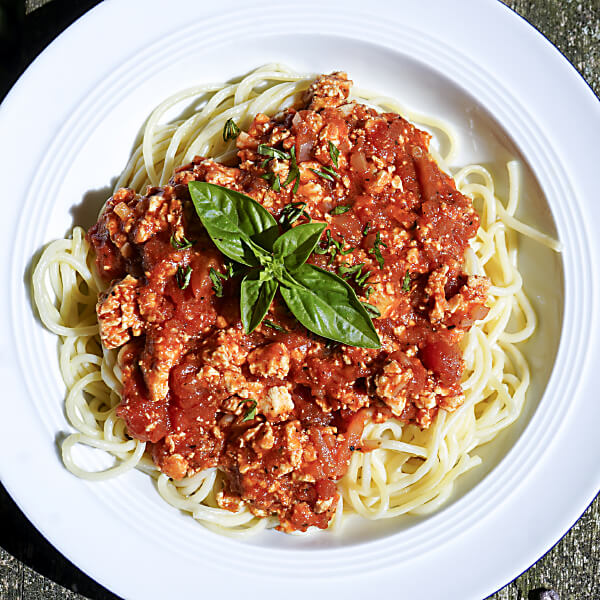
point(247, 233)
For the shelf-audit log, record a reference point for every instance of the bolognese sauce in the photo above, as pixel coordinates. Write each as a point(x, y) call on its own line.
point(280, 410)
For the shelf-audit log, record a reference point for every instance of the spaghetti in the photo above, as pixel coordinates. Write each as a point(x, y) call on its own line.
point(408, 469)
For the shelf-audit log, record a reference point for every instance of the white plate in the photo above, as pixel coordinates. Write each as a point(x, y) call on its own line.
point(67, 129)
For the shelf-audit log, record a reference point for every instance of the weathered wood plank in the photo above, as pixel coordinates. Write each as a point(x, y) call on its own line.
point(573, 26)
point(11, 576)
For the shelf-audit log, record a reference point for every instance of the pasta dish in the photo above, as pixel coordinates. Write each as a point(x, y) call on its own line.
point(293, 308)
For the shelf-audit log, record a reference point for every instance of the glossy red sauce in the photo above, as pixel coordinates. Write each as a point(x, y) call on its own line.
point(280, 412)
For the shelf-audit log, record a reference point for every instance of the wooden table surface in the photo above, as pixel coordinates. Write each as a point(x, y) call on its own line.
point(30, 568)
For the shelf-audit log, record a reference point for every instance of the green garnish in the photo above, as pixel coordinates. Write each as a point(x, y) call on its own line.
point(230, 130)
point(273, 181)
point(334, 153)
point(229, 270)
point(216, 278)
point(247, 233)
point(376, 250)
point(331, 172)
point(346, 270)
point(291, 213)
point(272, 178)
point(340, 210)
point(366, 228)
point(362, 279)
point(251, 412)
point(372, 310)
point(355, 271)
point(294, 174)
point(272, 152)
point(182, 243)
point(274, 326)
point(333, 247)
point(323, 175)
point(217, 286)
point(406, 282)
point(183, 276)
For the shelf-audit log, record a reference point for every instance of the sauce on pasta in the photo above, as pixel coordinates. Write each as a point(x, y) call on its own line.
point(280, 410)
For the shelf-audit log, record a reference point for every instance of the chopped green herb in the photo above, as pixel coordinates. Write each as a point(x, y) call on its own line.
point(274, 326)
point(292, 212)
point(272, 152)
point(366, 228)
point(323, 175)
point(334, 153)
point(181, 243)
point(355, 271)
point(406, 282)
point(216, 277)
point(340, 210)
point(362, 279)
point(294, 174)
point(251, 412)
point(376, 250)
point(273, 180)
point(371, 309)
point(229, 273)
point(331, 172)
point(319, 250)
point(333, 247)
point(230, 130)
point(346, 270)
point(183, 276)
point(368, 292)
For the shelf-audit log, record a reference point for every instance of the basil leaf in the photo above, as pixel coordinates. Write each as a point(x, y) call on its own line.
point(238, 225)
point(325, 304)
point(255, 299)
point(297, 244)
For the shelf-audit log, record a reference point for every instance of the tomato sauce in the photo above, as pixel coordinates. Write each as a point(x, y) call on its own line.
point(281, 410)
